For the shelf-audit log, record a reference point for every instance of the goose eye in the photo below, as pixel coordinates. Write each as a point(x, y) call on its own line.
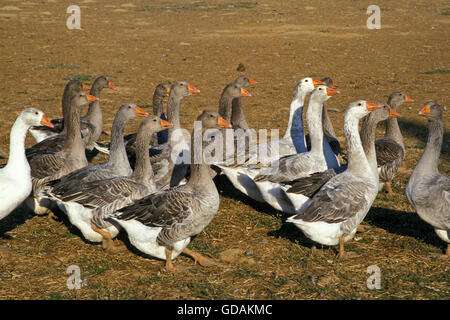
point(129, 107)
point(359, 104)
point(320, 89)
point(154, 120)
point(306, 80)
point(36, 113)
point(181, 84)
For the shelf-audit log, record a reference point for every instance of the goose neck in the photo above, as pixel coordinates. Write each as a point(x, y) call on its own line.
point(143, 172)
point(17, 158)
point(357, 160)
point(428, 163)
point(314, 122)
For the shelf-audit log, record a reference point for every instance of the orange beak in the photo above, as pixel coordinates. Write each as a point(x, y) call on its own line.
point(168, 91)
point(166, 124)
point(90, 98)
point(245, 93)
point(111, 85)
point(332, 92)
point(372, 106)
point(85, 87)
point(222, 123)
point(192, 89)
point(252, 81)
point(393, 113)
point(46, 122)
point(408, 99)
point(425, 110)
point(141, 112)
point(317, 83)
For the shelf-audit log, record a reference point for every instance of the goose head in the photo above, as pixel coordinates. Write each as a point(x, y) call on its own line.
point(234, 90)
point(79, 96)
point(305, 86)
point(396, 99)
point(383, 113)
point(361, 108)
point(322, 93)
point(431, 110)
point(155, 124)
point(329, 82)
point(182, 89)
point(104, 82)
point(35, 117)
point(212, 119)
point(244, 81)
point(162, 90)
point(131, 111)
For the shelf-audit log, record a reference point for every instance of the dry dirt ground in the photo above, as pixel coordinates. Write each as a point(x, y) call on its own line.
point(142, 43)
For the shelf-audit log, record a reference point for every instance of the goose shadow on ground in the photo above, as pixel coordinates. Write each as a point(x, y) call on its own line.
point(17, 217)
point(397, 222)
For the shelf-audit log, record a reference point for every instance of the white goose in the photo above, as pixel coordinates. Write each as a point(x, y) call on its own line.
point(15, 177)
point(293, 141)
point(335, 212)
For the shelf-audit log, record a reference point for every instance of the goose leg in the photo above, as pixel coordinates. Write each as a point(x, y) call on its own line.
point(202, 260)
point(388, 188)
point(447, 252)
point(314, 250)
point(107, 241)
point(341, 254)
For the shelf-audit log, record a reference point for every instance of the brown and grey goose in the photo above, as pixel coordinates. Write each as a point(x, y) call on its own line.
point(162, 224)
point(428, 191)
point(54, 165)
point(390, 149)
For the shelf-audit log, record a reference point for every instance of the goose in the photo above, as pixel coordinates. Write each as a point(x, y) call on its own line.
point(91, 126)
point(117, 164)
point(162, 224)
point(390, 149)
point(319, 158)
point(167, 159)
point(41, 133)
point(335, 212)
point(52, 166)
point(162, 90)
point(427, 190)
point(230, 105)
point(15, 177)
point(308, 186)
point(237, 119)
point(86, 203)
point(293, 141)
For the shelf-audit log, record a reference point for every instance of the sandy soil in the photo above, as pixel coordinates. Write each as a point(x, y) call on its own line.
point(140, 44)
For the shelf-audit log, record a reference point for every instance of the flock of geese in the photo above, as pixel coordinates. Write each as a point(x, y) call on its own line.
point(162, 203)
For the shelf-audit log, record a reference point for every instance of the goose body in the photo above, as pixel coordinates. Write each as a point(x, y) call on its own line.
point(15, 177)
point(335, 212)
point(428, 191)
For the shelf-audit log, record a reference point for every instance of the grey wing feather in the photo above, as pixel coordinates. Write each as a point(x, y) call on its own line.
point(337, 201)
point(161, 209)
